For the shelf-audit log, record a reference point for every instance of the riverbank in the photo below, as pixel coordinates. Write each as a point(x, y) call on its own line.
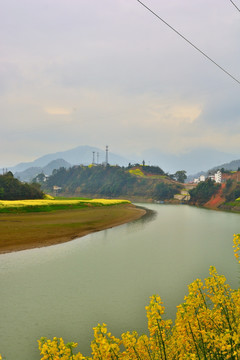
point(32, 230)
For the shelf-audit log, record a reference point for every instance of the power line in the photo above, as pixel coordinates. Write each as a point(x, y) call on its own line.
point(235, 5)
point(189, 42)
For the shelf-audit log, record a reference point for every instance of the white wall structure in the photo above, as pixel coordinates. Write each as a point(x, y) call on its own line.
point(218, 176)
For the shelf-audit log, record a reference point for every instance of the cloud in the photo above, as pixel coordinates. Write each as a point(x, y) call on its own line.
point(111, 73)
point(58, 111)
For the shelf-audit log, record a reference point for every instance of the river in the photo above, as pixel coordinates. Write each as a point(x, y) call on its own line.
point(65, 290)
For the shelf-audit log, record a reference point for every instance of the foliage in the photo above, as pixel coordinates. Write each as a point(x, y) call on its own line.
point(234, 193)
point(106, 181)
point(13, 189)
point(147, 169)
point(229, 183)
point(224, 171)
point(180, 176)
point(154, 170)
point(204, 191)
point(206, 327)
point(164, 191)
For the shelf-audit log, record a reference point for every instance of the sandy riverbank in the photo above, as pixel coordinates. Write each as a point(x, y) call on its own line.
point(32, 230)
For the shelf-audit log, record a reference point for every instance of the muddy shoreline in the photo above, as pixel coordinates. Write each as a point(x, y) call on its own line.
point(35, 230)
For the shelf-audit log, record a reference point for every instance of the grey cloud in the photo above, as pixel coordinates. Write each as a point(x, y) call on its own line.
point(121, 69)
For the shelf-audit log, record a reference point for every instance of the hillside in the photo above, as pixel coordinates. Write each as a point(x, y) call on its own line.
point(149, 182)
point(225, 196)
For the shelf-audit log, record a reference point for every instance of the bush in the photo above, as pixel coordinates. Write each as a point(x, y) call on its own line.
point(164, 191)
point(204, 191)
point(13, 189)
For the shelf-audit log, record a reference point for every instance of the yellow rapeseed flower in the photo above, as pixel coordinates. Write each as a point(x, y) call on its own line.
point(49, 202)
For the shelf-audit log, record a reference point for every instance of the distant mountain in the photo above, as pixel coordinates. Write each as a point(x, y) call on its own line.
point(81, 155)
point(231, 166)
point(192, 161)
point(31, 172)
point(28, 174)
point(55, 164)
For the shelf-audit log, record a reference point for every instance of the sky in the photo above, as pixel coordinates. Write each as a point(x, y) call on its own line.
point(90, 72)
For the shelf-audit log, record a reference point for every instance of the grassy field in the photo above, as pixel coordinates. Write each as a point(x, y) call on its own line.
point(23, 230)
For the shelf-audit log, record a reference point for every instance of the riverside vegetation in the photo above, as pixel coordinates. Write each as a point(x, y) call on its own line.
point(207, 326)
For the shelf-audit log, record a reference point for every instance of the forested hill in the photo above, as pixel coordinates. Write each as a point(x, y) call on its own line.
point(113, 181)
point(13, 189)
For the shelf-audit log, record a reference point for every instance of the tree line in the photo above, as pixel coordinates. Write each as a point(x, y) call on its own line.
point(111, 181)
point(13, 189)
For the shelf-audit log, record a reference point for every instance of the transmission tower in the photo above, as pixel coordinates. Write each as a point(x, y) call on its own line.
point(106, 155)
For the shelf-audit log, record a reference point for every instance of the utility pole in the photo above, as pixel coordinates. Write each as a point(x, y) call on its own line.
point(93, 157)
point(106, 155)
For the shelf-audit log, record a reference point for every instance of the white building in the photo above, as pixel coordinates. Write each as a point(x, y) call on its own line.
point(218, 177)
point(200, 178)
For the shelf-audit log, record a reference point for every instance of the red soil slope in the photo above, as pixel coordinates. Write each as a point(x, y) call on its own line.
point(216, 199)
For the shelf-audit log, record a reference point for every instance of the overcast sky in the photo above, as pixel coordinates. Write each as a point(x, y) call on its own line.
point(90, 72)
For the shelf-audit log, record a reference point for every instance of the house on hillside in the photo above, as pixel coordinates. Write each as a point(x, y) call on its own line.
point(200, 178)
point(217, 177)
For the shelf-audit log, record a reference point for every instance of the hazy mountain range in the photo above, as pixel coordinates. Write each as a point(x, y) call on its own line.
point(33, 171)
point(193, 161)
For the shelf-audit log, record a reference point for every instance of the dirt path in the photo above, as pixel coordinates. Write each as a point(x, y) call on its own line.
point(26, 231)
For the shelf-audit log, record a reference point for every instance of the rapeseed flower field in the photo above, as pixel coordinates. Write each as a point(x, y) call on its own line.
point(50, 201)
point(136, 172)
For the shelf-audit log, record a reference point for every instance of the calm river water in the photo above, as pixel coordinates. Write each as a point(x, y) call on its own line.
point(65, 290)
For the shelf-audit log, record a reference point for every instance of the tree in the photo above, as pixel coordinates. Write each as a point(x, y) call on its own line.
point(180, 176)
point(13, 189)
point(204, 191)
point(164, 191)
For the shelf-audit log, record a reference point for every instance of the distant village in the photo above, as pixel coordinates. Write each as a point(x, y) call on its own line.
point(217, 177)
